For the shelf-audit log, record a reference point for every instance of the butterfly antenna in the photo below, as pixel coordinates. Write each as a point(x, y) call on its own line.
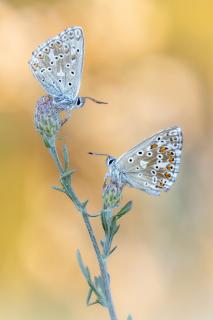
point(98, 154)
point(96, 101)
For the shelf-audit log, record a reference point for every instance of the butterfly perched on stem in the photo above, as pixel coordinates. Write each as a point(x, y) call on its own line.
point(57, 64)
point(151, 166)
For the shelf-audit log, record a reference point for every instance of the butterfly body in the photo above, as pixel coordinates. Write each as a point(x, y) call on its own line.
point(152, 165)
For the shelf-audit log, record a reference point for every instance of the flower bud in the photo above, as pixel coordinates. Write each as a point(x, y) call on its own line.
point(47, 120)
point(112, 195)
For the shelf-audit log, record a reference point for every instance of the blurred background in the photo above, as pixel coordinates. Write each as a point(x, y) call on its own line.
point(152, 61)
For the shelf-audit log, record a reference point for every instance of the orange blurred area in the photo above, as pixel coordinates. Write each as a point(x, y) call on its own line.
point(152, 61)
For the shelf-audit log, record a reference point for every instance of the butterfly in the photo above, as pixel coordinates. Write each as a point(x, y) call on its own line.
point(151, 166)
point(57, 64)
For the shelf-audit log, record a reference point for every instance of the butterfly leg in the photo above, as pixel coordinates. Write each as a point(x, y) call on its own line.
point(66, 118)
point(107, 175)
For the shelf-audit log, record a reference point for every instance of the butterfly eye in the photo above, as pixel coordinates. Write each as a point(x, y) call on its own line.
point(130, 160)
point(78, 102)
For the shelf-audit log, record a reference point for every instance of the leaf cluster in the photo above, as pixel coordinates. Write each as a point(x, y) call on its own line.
point(111, 227)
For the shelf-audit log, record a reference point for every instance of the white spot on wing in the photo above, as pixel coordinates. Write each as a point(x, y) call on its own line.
point(143, 164)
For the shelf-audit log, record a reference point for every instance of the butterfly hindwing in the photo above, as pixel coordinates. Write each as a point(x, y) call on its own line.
point(153, 164)
point(57, 64)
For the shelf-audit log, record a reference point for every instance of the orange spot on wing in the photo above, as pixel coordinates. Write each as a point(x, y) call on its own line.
point(154, 145)
point(163, 149)
point(171, 159)
point(160, 185)
point(169, 167)
point(167, 175)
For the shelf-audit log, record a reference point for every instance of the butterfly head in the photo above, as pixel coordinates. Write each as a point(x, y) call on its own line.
point(80, 101)
point(110, 161)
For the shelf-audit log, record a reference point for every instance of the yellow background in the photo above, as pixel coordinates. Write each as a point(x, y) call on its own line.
point(152, 61)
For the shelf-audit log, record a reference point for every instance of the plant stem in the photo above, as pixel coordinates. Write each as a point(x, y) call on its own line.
point(81, 206)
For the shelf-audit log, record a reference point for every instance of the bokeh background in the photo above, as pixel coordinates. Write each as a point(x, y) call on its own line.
point(152, 60)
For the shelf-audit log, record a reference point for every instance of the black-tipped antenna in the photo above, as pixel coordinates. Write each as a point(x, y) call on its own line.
point(98, 154)
point(96, 101)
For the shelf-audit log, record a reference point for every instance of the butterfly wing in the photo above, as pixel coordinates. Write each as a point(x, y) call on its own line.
point(57, 64)
point(153, 165)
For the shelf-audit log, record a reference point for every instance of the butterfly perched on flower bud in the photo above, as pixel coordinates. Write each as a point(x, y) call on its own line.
point(57, 64)
point(152, 165)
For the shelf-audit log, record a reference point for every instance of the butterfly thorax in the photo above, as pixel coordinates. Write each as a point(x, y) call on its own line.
point(64, 103)
point(114, 172)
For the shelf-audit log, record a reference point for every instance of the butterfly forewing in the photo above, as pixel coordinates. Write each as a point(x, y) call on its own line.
point(153, 164)
point(57, 64)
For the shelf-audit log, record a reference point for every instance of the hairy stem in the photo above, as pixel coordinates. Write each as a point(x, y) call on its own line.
point(81, 206)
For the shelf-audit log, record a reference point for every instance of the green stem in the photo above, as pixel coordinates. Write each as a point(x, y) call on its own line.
point(82, 208)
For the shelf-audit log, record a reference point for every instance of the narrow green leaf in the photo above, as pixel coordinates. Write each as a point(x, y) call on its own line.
point(66, 157)
point(46, 141)
point(106, 218)
point(113, 249)
point(84, 203)
point(124, 210)
point(84, 269)
point(93, 289)
point(104, 222)
point(57, 188)
point(89, 296)
point(114, 229)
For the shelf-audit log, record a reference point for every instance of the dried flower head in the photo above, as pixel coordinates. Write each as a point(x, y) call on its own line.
point(47, 120)
point(112, 195)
